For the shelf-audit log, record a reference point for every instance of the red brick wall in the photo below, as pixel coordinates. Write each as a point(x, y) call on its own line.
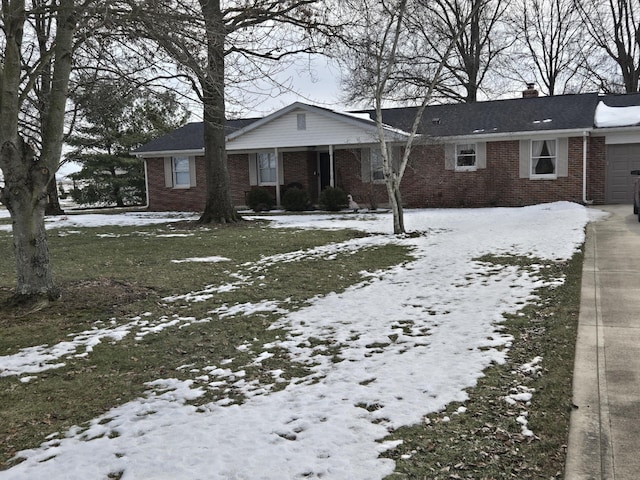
point(426, 183)
point(162, 198)
point(596, 170)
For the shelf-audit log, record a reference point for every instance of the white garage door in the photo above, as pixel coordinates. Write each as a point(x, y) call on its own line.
point(621, 159)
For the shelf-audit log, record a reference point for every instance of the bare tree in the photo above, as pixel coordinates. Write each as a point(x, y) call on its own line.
point(225, 45)
point(551, 46)
point(387, 61)
point(614, 27)
point(26, 176)
point(479, 41)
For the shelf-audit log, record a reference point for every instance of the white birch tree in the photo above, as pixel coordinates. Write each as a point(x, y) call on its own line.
point(393, 55)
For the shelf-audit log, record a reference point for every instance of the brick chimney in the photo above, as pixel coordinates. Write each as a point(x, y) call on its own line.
point(530, 92)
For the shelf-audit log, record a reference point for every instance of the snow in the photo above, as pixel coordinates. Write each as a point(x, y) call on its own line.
point(410, 339)
point(607, 116)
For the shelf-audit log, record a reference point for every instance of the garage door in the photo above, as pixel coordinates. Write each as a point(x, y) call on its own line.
point(621, 159)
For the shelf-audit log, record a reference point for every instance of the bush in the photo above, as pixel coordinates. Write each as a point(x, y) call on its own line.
point(333, 199)
point(295, 199)
point(260, 200)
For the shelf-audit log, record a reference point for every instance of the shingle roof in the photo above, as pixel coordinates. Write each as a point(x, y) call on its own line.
point(518, 115)
point(500, 116)
point(189, 137)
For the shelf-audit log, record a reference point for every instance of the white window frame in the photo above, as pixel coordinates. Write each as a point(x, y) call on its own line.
point(181, 170)
point(535, 157)
point(270, 157)
point(462, 152)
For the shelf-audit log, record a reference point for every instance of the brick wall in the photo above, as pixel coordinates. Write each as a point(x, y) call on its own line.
point(426, 182)
point(162, 198)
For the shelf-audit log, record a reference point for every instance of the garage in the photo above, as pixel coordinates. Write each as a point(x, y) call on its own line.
point(621, 159)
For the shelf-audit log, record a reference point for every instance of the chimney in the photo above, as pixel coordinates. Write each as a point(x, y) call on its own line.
point(530, 92)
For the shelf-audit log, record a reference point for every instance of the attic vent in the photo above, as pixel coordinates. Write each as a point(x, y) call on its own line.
point(435, 121)
point(302, 121)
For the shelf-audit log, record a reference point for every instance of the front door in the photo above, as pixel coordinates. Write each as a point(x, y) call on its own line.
point(324, 170)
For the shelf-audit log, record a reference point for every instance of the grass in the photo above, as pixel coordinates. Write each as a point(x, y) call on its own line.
point(486, 441)
point(108, 275)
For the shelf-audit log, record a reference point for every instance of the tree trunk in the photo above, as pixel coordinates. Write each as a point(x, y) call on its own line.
point(25, 195)
point(219, 207)
point(53, 201)
point(395, 200)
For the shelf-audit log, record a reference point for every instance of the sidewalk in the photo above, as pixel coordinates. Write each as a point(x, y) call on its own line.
point(604, 437)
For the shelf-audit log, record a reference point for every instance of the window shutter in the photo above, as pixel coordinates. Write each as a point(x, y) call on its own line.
point(168, 172)
point(449, 156)
point(365, 165)
point(562, 158)
point(481, 155)
point(253, 169)
point(192, 172)
point(280, 169)
point(525, 158)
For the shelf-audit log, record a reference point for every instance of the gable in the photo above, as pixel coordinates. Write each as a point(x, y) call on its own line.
point(319, 129)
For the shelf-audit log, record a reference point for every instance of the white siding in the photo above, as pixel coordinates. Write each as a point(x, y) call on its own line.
point(283, 132)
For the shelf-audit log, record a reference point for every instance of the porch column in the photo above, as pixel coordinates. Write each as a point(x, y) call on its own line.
point(277, 176)
point(332, 181)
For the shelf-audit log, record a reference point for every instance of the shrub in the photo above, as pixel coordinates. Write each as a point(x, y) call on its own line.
point(260, 200)
point(333, 199)
point(295, 199)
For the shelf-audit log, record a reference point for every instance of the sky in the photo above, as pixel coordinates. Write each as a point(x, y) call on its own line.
point(412, 338)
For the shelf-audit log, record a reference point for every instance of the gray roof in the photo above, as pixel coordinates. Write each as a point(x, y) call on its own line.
point(565, 112)
point(518, 115)
point(189, 137)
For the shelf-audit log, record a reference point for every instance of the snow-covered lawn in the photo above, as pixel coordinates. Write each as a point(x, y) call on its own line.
point(411, 340)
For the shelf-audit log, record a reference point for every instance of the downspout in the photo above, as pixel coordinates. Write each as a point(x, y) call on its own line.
point(585, 136)
point(146, 185)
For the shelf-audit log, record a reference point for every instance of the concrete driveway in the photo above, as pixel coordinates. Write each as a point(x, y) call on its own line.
point(604, 438)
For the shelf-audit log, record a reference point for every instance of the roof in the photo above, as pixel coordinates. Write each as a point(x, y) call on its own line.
point(518, 115)
point(564, 112)
point(189, 137)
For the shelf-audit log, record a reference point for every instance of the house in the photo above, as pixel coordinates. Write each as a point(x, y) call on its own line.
point(512, 152)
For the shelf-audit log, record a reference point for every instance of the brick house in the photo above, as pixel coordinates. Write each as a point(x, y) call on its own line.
point(499, 153)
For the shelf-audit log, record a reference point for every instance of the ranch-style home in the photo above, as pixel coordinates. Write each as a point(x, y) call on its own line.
point(513, 152)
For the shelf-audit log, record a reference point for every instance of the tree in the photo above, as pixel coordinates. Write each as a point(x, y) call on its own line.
point(392, 56)
point(27, 176)
point(614, 27)
point(551, 46)
point(116, 118)
point(225, 45)
point(474, 24)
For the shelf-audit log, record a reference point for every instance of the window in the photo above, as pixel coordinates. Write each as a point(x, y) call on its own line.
point(543, 158)
point(466, 156)
point(302, 121)
point(377, 172)
point(180, 172)
point(266, 168)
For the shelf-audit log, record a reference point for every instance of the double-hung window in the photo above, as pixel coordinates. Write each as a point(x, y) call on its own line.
point(466, 156)
point(266, 168)
point(180, 172)
point(543, 158)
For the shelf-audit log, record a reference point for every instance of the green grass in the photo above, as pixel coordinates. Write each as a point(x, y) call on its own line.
point(108, 275)
point(486, 441)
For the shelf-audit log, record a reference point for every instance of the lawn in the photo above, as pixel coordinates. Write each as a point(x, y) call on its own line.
point(310, 346)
